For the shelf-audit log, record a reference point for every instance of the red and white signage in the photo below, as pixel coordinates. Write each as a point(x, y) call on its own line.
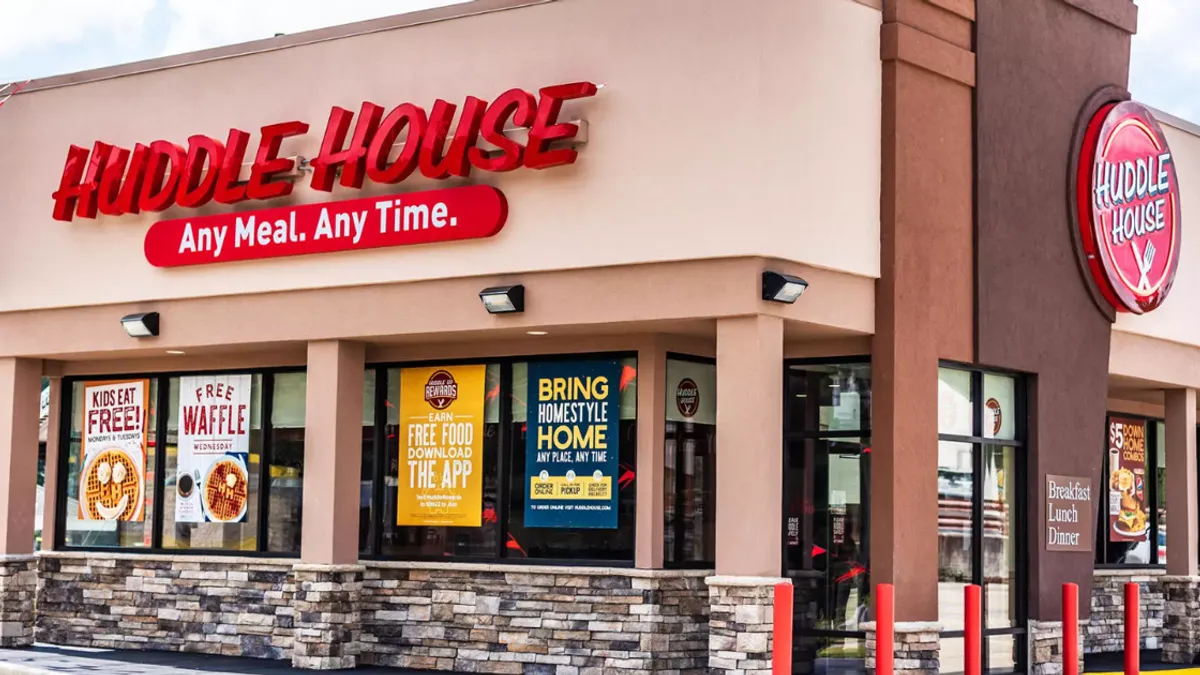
point(1128, 205)
point(472, 212)
point(385, 148)
point(115, 181)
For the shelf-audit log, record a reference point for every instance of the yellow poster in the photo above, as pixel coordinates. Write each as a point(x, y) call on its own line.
point(441, 446)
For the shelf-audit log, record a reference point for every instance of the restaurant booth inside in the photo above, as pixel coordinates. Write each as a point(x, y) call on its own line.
point(557, 353)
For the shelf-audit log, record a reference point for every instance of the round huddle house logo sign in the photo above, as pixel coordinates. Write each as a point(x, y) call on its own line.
point(1128, 207)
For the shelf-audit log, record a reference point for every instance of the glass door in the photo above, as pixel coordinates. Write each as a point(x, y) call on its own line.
point(980, 479)
point(826, 506)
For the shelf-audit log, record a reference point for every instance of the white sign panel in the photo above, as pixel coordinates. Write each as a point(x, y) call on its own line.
point(213, 479)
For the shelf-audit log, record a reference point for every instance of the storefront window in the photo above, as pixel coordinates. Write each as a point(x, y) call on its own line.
point(979, 476)
point(479, 536)
point(286, 456)
point(110, 459)
point(690, 463)
point(367, 501)
point(1133, 531)
point(454, 476)
point(826, 481)
point(207, 475)
point(186, 523)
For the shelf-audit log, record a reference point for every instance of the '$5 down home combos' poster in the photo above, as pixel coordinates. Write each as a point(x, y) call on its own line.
point(441, 446)
point(571, 445)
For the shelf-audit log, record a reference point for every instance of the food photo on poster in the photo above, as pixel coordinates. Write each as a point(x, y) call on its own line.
point(1128, 515)
point(112, 482)
point(441, 446)
point(213, 484)
point(573, 443)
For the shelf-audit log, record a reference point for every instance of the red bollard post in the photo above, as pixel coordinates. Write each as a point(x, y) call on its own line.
point(885, 629)
point(1133, 643)
point(781, 654)
point(1070, 635)
point(973, 629)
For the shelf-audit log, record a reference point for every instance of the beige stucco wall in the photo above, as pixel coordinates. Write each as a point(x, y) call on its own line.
point(725, 128)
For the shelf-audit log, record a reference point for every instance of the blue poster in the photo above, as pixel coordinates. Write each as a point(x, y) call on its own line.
point(572, 444)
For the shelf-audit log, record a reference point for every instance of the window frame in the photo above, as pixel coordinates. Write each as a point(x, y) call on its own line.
point(1022, 385)
point(162, 403)
point(374, 553)
point(676, 493)
point(1099, 560)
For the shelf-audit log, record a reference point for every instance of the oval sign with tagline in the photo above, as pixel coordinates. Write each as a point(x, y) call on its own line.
point(1128, 206)
point(472, 212)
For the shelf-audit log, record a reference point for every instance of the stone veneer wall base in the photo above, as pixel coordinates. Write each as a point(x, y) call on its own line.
point(517, 619)
point(208, 605)
point(327, 618)
point(740, 624)
point(1181, 628)
point(18, 589)
point(1046, 647)
point(1105, 630)
point(529, 620)
point(918, 646)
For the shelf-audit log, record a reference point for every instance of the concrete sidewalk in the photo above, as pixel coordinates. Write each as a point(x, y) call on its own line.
point(46, 659)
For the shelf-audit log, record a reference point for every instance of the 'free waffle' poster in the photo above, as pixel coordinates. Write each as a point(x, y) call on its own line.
point(213, 480)
point(112, 482)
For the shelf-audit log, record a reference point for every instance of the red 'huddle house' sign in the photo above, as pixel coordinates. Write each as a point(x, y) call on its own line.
point(115, 181)
point(1128, 207)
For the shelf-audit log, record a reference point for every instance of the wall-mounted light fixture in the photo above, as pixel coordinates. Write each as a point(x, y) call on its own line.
point(783, 288)
point(141, 325)
point(503, 299)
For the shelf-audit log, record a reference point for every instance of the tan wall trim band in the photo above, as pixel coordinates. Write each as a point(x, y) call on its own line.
point(904, 43)
point(367, 27)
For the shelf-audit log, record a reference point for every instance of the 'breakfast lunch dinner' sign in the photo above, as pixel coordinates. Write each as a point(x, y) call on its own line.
point(1069, 521)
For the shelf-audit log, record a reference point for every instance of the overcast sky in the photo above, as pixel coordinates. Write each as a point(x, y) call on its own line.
point(47, 37)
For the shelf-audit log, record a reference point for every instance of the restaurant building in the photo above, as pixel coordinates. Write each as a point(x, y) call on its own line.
point(546, 336)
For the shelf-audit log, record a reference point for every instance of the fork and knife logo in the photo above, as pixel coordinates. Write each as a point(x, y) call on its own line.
point(1144, 260)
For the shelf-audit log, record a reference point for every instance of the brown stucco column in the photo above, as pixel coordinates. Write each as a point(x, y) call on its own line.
point(1181, 585)
point(329, 580)
point(50, 492)
point(20, 394)
point(924, 304)
point(651, 383)
point(1039, 65)
point(750, 438)
point(1182, 540)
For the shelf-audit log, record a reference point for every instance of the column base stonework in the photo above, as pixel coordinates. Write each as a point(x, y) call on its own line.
point(1181, 626)
point(1046, 647)
point(741, 619)
point(327, 618)
point(918, 646)
point(18, 588)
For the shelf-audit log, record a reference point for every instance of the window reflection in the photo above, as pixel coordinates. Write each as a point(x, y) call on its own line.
point(690, 476)
point(999, 542)
point(286, 477)
point(826, 522)
point(955, 490)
